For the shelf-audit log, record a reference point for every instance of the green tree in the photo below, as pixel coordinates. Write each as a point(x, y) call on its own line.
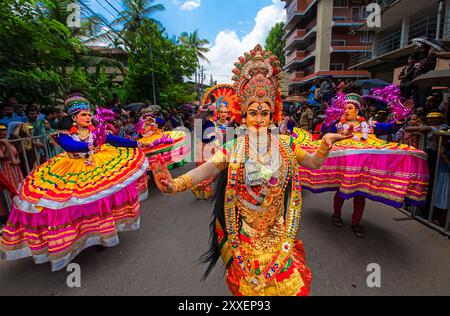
point(136, 12)
point(275, 43)
point(169, 76)
point(33, 51)
point(194, 42)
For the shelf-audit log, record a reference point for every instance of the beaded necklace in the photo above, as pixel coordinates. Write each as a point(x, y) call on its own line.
point(250, 270)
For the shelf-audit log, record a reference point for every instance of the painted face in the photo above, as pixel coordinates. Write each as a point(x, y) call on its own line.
point(258, 116)
point(83, 119)
point(223, 114)
point(351, 112)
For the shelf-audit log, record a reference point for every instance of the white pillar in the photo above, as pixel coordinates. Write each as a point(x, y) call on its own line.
point(446, 31)
point(323, 37)
point(404, 40)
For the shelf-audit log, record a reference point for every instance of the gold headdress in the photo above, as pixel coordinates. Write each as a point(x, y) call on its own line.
point(222, 95)
point(257, 77)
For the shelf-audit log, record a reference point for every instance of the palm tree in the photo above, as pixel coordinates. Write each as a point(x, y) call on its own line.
point(91, 31)
point(137, 10)
point(193, 41)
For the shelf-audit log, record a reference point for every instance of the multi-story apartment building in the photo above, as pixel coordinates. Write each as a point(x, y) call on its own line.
point(319, 41)
point(401, 22)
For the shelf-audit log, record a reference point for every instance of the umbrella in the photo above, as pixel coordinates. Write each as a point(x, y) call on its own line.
point(155, 108)
point(134, 106)
point(371, 84)
point(435, 44)
point(436, 78)
point(295, 98)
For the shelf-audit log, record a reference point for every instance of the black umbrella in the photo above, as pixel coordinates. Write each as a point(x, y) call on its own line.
point(134, 106)
point(368, 84)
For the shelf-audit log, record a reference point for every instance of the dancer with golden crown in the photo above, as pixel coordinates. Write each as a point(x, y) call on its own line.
point(80, 198)
point(215, 122)
point(254, 230)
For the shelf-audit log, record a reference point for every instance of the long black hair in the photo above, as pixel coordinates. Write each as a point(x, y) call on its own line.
point(213, 254)
point(65, 123)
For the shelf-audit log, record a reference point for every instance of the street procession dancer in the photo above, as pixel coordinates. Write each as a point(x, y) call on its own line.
point(255, 226)
point(82, 197)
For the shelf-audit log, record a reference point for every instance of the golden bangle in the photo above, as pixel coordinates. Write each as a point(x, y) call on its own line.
point(323, 151)
point(220, 160)
point(182, 184)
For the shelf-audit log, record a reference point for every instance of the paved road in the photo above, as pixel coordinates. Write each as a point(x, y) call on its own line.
point(159, 259)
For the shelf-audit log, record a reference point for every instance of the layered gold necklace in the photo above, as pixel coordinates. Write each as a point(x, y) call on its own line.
point(83, 134)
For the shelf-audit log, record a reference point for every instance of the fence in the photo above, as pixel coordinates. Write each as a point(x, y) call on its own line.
point(427, 215)
point(32, 152)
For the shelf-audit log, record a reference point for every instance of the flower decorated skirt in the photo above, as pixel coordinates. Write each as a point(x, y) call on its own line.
point(173, 153)
point(381, 171)
point(67, 205)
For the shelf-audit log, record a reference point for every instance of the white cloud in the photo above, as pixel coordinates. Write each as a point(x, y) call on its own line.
point(227, 47)
point(190, 5)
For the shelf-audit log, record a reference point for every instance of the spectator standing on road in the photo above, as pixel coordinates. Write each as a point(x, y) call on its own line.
point(307, 117)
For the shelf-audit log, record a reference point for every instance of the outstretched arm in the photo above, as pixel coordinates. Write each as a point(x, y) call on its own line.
point(168, 185)
point(121, 142)
point(316, 160)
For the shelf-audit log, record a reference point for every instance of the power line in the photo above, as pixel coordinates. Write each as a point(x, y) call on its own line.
point(114, 8)
point(104, 22)
point(105, 8)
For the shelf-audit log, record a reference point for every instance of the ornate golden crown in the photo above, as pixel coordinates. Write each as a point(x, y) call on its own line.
point(257, 77)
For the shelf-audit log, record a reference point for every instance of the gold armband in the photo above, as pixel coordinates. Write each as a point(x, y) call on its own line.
point(323, 151)
point(182, 184)
point(220, 160)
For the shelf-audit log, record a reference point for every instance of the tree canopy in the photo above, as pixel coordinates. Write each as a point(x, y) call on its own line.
point(275, 43)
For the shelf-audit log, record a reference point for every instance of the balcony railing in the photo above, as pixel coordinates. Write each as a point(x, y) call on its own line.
point(296, 76)
point(389, 43)
point(357, 58)
point(295, 55)
point(297, 34)
point(425, 28)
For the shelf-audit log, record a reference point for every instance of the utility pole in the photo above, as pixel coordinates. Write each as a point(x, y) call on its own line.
point(200, 85)
point(153, 73)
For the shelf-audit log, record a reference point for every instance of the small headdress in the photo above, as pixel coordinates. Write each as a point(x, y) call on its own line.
point(354, 99)
point(76, 103)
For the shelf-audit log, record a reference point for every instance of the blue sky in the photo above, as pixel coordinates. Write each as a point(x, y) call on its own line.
point(231, 26)
point(210, 17)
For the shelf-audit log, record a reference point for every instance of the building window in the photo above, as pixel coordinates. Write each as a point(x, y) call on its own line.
point(366, 38)
point(359, 13)
point(340, 18)
point(340, 3)
point(338, 43)
point(336, 67)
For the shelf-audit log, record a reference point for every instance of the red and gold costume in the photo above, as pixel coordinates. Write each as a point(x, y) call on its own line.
point(255, 226)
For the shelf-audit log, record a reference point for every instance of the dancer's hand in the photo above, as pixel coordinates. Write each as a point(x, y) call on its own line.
point(163, 178)
point(331, 138)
